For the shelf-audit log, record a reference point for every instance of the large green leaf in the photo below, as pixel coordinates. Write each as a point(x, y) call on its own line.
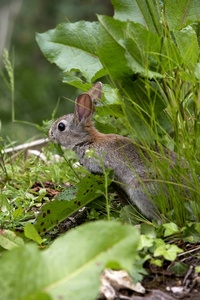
point(147, 53)
point(73, 46)
point(127, 48)
point(143, 51)
point(144, 109)
point(187, 43)
point(9, 240)
point(71, 267)
point(111, 48)
point(145, 12)
point(179, 13)
point(127, 10)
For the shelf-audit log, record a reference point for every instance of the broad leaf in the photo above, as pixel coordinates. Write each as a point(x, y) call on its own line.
point(145, 242)
point(76, 82)
point(55, 212)
point(71, 267)
point(139, 11)
point(191, 234)
point(168, 251)
point(142, 107)
point(149, 54)
point(112, 110)
point(187, 43)
point(125, 10)
point(179, 268)
point(73, 47)
point(4, 203)
point(179, 13)
point(111, 49)
point(70, 201)
point(150, 10)
point(9, 239)
point(31, 233)
point(143, 51)
point(170, 228)
point(129, 46)
point(148, 230)
point(111, 95)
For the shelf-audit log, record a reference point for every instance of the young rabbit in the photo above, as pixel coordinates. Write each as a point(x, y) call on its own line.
point(76, 131)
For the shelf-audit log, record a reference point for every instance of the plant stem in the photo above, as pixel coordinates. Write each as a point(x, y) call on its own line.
point(106, 192)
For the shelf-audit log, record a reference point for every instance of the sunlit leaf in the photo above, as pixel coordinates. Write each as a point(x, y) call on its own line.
point(73, 47)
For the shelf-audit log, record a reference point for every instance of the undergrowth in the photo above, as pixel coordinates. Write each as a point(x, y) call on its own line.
point(147, 57)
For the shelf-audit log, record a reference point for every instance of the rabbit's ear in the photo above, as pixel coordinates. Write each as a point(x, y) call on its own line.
point(83, 107)
point(96, 91)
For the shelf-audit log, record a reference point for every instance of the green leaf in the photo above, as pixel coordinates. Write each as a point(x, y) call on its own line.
point(147, 53)
point(71, 267)
point(139, 44)
point(148, 230)
point(55, 212)
point(125, 10)
point(197, 227)
point(111, 49)
point(104, 126)
point(197, 76)
point(142, 107)
point(111, 95)
point(91, 187)
point(145, 242)
point(179, 13)
point(39, 296)
point(187, 43)
point(127, 46)
point(113, 110)
point(150, 10)
point(179, 268)
point(9, 240)
point(170, 228)
point(159, 242)
point(18, 212)
point(146, 12)
point(168, 251)
point(4, 203)
point(157, 262)
point(191, 234)
point(76, 82)
point(70, 201)
point(197, 269)
point(73, 46)
point(31, 233)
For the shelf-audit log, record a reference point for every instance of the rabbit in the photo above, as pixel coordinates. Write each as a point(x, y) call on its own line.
point(132, 176)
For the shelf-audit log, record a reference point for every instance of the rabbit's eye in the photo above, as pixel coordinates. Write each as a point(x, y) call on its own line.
point(61, 126)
